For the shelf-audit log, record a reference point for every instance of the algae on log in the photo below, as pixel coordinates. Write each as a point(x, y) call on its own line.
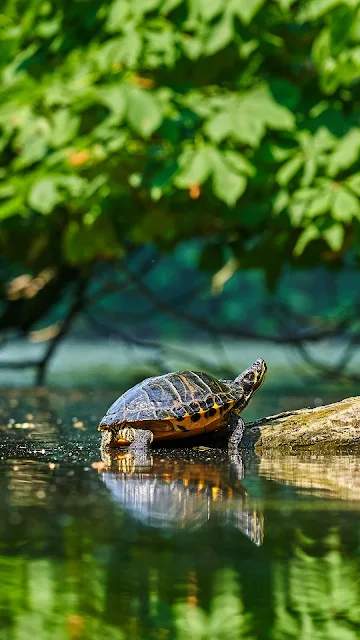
point(333, 426)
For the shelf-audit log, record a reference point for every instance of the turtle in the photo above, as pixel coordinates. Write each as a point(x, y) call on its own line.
point(179, 405)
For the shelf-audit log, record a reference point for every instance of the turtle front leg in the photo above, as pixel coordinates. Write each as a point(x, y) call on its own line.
point(106, 438)
point(236, 428)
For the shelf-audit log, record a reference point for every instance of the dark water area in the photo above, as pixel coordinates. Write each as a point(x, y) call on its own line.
point(183, 544)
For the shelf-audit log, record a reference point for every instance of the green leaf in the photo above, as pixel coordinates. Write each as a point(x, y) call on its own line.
point(192, 46)
point(345, 206)
point(256, 111)
point(169, 5)
point(246, 9)
point(346, 153)
point(353, 182)
point(144, 112)
point(43, 195)
point(118, 14)
point(307, 235)
point(288, 170)
point(210, 9)
point(196, 168)
point(12, 207)
point(140, 7)
point(285, 4)
point(219, 126)
point(310, 168)
point(75, 185)
point(316, 8)
point(6, 191)
point(114, 98)
point(220, 36)
point(238, 162)
point(281, 201)
point(33, 149)
point(319, 205)
point(65, 126)
point(334, 236)
point(227, 185)
point(247, 126)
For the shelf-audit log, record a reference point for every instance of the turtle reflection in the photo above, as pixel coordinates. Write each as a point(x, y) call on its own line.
point(182, 490)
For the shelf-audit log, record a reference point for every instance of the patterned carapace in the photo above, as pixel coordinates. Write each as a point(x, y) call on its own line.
point(180, 404)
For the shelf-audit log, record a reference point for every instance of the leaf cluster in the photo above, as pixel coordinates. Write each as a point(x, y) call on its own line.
point(124, 123)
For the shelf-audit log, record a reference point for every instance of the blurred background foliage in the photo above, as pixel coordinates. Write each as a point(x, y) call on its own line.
point(217, 141)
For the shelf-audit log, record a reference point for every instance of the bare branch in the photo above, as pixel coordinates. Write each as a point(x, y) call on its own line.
point(77, 305)
point(127, 337)
point(207, 326)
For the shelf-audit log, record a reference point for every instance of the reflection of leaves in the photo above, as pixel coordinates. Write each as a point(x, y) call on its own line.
point(226, 620)
point(316, 597)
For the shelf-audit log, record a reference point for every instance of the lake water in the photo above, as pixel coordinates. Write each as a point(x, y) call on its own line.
point(182, 545)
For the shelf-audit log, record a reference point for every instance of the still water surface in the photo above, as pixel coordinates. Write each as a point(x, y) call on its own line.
point(183, 545)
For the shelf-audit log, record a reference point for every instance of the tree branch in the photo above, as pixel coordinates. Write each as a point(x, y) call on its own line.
point(77, 305)
point(207, 326)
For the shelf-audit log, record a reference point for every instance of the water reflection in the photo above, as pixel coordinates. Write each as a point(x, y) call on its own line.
point(169, 548)
point(182, 491)
point(326, 476)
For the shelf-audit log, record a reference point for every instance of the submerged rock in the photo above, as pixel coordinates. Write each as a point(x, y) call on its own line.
point(327, 428)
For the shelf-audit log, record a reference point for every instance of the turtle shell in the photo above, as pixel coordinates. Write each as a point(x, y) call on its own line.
point(173, 405)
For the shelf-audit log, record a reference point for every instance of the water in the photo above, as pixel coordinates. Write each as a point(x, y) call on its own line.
point(182, 545)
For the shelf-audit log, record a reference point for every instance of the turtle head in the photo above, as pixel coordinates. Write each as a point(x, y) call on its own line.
point(250, 380)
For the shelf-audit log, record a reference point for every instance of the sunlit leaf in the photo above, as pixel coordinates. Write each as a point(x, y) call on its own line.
point(319, 205)
point(334, 236)
point(196, 168)
point(220, 36)
point(289, 170)
point(219, 126)
point(117, 16)
point(228, 185)
point(64, 127)
point(210, 9)
point(115, 99)
point(44, 195)
point(345, 205)
point(143, 111)
point(307, 235)
point(346, 153)
point(246, 9)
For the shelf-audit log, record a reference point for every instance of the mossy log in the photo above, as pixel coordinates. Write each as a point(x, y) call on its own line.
point(327, 428)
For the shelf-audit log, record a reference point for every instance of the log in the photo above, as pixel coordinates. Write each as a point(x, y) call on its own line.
point(328, 428)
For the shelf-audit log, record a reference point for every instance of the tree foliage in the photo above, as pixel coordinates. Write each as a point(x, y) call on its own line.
point(123, 123)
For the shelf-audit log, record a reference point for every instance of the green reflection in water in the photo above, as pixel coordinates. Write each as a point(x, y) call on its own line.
point(181, 548)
